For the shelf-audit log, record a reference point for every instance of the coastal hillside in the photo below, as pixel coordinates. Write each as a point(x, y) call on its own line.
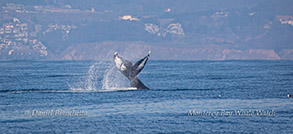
point(185, 30)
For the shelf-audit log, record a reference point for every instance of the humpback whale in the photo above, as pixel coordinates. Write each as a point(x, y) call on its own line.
point(131, 71)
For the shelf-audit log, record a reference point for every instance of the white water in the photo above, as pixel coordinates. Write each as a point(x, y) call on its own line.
point(102, 77)
point(113, 79)
point(92, 77)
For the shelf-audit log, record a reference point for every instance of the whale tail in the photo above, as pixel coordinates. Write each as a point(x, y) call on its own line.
point(135, 82)
point(131, 71)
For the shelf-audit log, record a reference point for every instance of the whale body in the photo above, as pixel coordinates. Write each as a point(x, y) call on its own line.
point(131, 71)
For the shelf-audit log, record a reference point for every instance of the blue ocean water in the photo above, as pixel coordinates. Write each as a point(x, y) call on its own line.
point(184, 97)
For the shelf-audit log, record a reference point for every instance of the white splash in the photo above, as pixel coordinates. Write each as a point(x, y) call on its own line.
point(102, 77)
point(92, 78)
point(113, 79)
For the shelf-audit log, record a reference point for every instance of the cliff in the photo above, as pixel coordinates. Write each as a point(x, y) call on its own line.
point(199, 30)
point(135, 50)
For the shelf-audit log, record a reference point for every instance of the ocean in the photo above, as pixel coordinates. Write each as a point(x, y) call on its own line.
point(184, 97)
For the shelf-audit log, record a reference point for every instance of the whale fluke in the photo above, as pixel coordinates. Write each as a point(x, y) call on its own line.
point(131, 71)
